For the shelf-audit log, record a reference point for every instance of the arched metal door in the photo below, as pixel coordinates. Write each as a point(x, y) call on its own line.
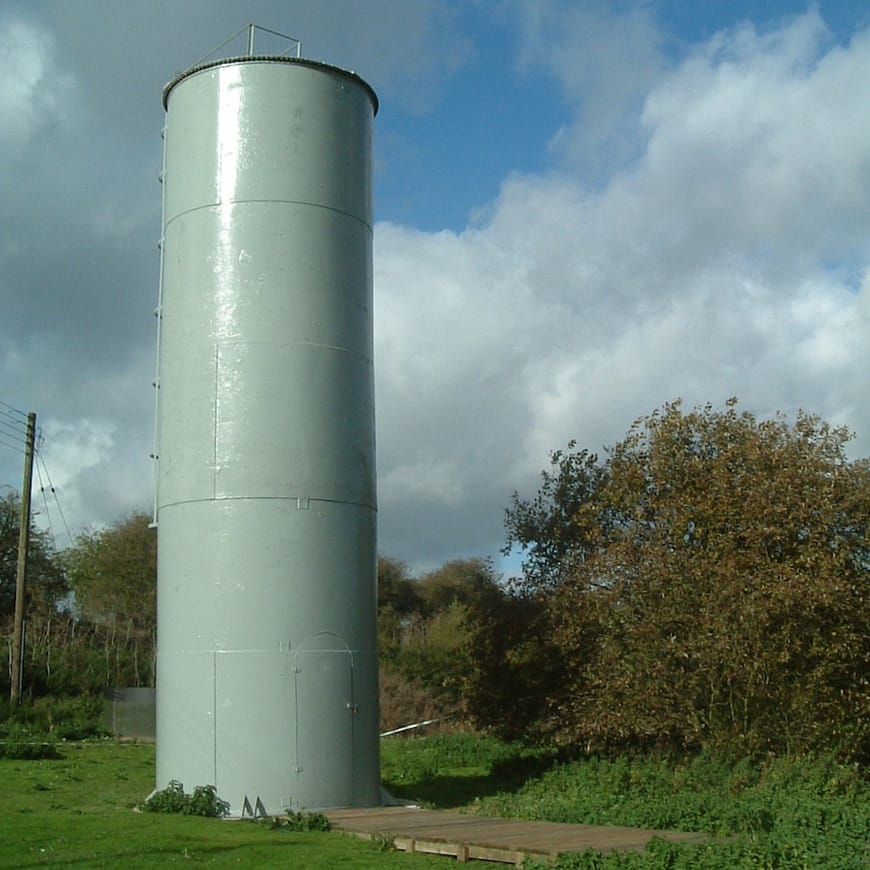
point(324, 723)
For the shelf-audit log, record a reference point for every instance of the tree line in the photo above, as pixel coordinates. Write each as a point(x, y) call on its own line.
point(705, 582)
point(90, 610)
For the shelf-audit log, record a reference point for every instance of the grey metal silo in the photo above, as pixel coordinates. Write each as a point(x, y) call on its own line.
point(266, 505)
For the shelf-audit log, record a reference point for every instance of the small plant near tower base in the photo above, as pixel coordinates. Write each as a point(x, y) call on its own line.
point(302, 822)
point(172, 799)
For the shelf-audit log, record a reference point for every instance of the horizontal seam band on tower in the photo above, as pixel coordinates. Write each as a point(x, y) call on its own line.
point(304, 202)
point(288, 498)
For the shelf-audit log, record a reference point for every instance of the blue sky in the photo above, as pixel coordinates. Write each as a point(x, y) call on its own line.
point(497, 117)
point(584, 210)
point(500, 116)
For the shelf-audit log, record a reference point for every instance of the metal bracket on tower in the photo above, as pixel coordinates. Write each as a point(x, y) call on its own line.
point(251, 29)
point(257, 811)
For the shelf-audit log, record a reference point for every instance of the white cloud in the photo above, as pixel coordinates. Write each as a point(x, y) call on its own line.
point(69, 452)
point(99, 470)
point(756, 145)
point(704, 231)
point(96, 429)
point(77, 446)
point(709, 266)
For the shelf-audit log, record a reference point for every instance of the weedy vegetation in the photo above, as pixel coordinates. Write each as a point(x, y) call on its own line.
point(79, 808)
point(301, 822)
point(800, 812)
point(687, 648)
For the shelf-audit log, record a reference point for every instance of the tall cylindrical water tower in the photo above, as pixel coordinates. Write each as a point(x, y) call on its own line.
point(267, 655)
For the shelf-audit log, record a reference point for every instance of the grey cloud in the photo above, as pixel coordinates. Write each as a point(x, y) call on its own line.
point(80, 203)
point(728, 256)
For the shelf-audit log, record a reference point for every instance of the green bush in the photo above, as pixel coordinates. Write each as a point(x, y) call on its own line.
point(302, 822)
point(172, 799)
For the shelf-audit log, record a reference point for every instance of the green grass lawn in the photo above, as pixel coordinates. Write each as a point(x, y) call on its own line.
point(77, 810)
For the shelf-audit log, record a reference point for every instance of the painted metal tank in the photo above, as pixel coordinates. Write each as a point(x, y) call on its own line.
point(267, 680)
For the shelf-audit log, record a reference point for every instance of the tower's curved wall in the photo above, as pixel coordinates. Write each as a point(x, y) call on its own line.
point(266, 503)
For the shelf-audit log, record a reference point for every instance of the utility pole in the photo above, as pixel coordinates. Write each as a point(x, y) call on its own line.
point(21, 572)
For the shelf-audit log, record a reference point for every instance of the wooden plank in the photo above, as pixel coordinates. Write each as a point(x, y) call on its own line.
point(472, 837)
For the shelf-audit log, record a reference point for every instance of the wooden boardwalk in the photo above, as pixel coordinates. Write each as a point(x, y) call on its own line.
point(472, 837)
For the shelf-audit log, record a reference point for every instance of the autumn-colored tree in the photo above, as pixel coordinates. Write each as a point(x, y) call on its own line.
point(519, 679)
point(724, 597)
point(555, 529)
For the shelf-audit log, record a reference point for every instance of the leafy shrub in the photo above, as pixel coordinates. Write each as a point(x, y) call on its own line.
point(172, 799)
point(302, 822)
point(205, 802)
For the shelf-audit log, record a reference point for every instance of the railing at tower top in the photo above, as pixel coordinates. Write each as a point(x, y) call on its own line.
point(251, 30)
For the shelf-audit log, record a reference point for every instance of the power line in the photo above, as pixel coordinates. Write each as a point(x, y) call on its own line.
point(22, 414)
point(16, 447)
point(12, 419)
point(12, 429)
point(45, 504)
point(14, 424)
point(41, 459)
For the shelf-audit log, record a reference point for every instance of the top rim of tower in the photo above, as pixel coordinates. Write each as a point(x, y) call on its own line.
point(251, 29)
point(268, 58)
